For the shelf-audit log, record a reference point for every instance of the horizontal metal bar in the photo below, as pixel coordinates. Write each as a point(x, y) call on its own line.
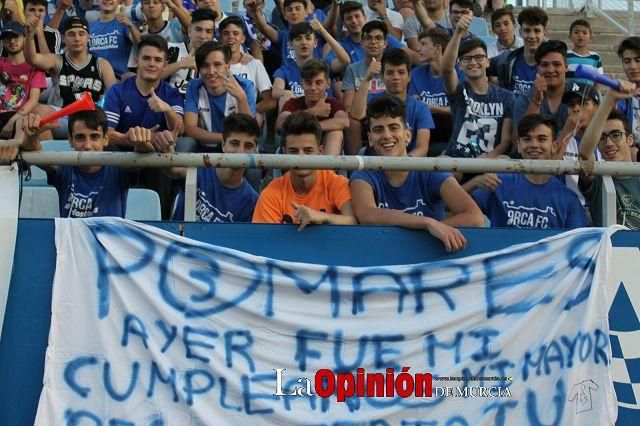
point(351, 162)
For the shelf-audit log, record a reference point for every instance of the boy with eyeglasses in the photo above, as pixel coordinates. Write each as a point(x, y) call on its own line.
point(610, 131)
point(481, 111)
point(355, 41)
point(629, 54)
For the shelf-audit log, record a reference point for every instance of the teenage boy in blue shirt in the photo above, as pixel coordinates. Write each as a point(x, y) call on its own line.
point(287, 82)
point(528, 200)
point(214, 95)
point(85, 191)
point(481, 111)
point(414, 200)
point(112, 36)
point(222, 194)
point(427, 85)
point(145, 100)
point(295, 12)
point(516, 70)
point(395, 70)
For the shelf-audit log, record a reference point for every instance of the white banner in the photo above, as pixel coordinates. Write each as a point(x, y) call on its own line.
point(149, 328)
point(10, 196)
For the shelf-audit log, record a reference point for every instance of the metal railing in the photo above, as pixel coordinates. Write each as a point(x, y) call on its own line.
point(352, 162)
point(621, 14)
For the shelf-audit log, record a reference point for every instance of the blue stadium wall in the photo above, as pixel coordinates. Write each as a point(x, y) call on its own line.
point(28, 313)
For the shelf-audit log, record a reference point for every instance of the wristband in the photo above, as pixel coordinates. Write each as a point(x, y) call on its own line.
point(382, 17)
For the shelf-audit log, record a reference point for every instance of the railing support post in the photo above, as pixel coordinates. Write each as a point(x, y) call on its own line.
point(190, 195)
point(608, 202)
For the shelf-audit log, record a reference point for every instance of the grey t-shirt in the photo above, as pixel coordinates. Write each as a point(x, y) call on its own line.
point(627, 201)
point(354, 75)
point(412, 27)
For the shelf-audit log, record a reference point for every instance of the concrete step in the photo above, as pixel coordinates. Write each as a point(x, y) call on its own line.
point(608, 39)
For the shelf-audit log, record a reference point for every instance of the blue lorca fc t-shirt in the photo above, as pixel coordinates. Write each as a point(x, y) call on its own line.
point(286, 49)
point(428, 88)
point(110, 40)
point(103, 193)
point(522, 76)
point(418, 117)
point(217, 203)
point(519, 203)
point(478, 118)
point(419, 194)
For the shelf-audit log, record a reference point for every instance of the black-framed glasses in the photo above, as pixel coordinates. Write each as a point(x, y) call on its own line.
point(469, 58)
point(378, 38)
point(615, 136)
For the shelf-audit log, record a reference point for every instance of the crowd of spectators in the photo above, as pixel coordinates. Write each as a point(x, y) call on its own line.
point(318, 77)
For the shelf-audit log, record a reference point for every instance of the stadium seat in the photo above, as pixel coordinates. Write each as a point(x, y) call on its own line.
point(488, 39)
point(56, 145)
point(143, 204)
point(39, 202)
point(479, 27)
point(38, 177)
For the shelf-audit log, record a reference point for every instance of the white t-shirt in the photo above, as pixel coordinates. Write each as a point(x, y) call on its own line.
point(396, 19)
point(255, 72)
point(495, 48)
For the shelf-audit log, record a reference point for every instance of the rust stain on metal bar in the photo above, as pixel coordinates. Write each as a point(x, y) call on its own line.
point(207, 161)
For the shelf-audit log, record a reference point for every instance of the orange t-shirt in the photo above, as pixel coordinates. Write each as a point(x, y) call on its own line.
point(329, 194)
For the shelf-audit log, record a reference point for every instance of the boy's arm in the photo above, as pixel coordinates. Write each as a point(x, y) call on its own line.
point(339, 121)
point(31, 131)
point(422, 15)
point(593, 132)
point(42, 40)
point(449, 74)
point(106, 73)
point(278, 89)
point(27, 107)
point(464, 211)
point(61, 7)
point(46, 62)
point(358, 109)
point(201, 135)
point(173, 119)
point(282, 117)
point(565, 136)
point(188, 62)
point(234, 89)
point(260, 21)
point(537, 95)
point(506, 133)
point(307, 216)
point(330, 22)
point(487, 181)
point(181, 13)
point(338, 50)
point(367, 213)
point(347, 98)
point(382, 11)
point(256, 50)
point(422, 143)
point(134, 32)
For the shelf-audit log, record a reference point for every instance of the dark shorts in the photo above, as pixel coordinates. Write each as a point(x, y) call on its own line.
point(4, 119)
